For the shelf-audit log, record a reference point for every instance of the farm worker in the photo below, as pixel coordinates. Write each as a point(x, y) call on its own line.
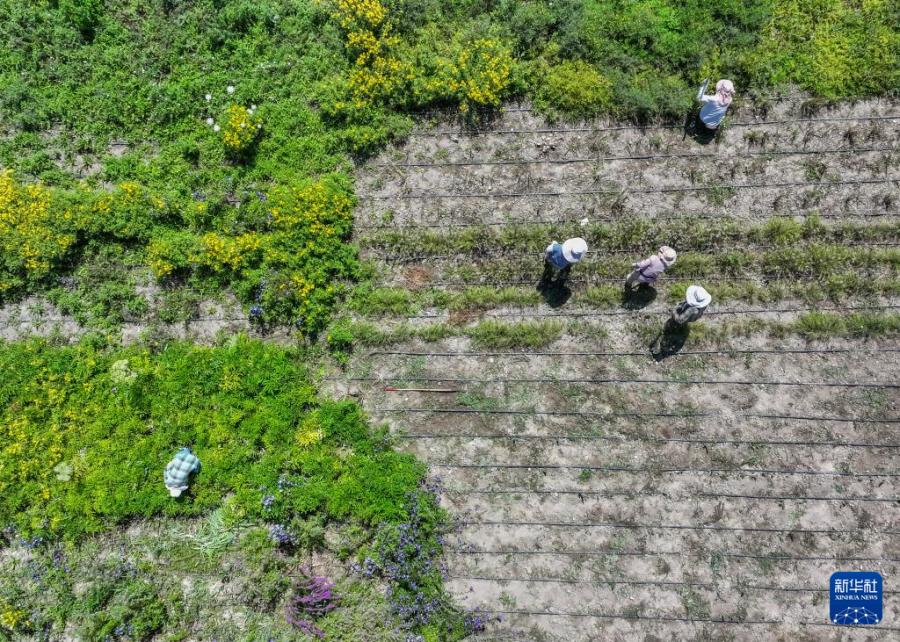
point(692, 308)
point(648, 270)
point(563, 256)
point(714, 107)
point(179, 470)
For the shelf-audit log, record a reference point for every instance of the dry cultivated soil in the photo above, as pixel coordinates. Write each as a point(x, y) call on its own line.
point(604, 494)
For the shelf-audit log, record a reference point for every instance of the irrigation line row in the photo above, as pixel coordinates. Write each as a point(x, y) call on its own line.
point(603, 159)
point(681, 527)
point(617, 553)
point(686, 216)
point(616, 381)
point(632, 495)
point(601, 415)
point(673, 618)
point(632, 354)
point(388, 255)
point(601, 582)
point(618, 313)
point(573, 130)
point(624, 190)
point(653, 440)
point(659, 471)
point(673, 278)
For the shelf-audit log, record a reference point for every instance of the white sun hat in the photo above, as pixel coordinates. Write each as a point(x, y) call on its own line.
point(667, 255)
point(175, 491)
point(698, 297)
point(574, 249)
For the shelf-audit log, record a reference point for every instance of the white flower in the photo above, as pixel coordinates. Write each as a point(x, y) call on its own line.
point(230, 89)
point(216, 128)
point(243, 125)
point(259, 126)
point(210, 121)
point(252, 107)
point(584, 222)
point(208, 97)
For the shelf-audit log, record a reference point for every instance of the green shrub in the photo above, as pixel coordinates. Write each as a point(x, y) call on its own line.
point(573, 87)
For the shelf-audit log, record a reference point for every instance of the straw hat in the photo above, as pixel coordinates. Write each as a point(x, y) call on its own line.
point(725, 92)
point(698, 297)
point(667, 255)
point(574, 249)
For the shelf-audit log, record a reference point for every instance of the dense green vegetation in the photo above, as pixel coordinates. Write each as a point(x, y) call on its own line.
point(224, 124)
point(87, 431)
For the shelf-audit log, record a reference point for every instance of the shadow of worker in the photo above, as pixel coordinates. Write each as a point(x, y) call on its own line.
point(638, 298)
point(670, 340)
point(697, 130)
point(552, 286)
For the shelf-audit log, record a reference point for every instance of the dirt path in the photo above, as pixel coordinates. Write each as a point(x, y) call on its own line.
point(603, 495)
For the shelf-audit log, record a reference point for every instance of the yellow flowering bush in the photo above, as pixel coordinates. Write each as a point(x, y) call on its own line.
point(129, 212)
point(377, 72)
point(241, 128)
point(12, 618)
point(472, 73)
point(222, 253)
point(34, 235)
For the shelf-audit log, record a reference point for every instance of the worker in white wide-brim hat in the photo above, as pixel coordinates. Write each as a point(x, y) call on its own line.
point(648, 270)
point(564, 255)
point(696, 300)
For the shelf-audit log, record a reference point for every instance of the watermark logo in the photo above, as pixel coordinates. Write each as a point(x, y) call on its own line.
point(856, 597)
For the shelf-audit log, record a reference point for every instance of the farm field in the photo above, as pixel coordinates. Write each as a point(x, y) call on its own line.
point(258, 229)
point(602, 493)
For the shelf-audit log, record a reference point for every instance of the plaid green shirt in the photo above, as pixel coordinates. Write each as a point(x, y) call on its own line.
point(180, 468)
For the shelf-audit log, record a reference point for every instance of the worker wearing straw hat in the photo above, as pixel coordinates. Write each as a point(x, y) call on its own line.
point(695, 302)
point(179, 470)
point(563, 256)
point(648, 270)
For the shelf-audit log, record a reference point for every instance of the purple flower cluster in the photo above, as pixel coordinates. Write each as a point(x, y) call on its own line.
point(408, 556)
point(474, 623)
point(268, 500)
point(313, 597)
point(280, 535)
point(256, 312)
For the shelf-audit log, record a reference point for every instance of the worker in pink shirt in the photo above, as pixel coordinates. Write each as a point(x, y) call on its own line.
point(648, 270)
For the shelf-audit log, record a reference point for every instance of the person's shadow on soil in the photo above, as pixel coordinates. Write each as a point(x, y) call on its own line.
point(638, 298)
point(695, 128)
point(554, 291)
point(670, 340)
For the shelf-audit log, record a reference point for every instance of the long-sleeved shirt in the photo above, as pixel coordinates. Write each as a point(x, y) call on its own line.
point(712, 112)
point(180, 468)
point(649, 269)
point(554, 255)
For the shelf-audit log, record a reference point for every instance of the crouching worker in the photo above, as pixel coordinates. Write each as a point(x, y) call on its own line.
point(647, 271)
point(713, 108)
point(675, 333)
point(560, 257)
point(695, 302)
point(179, 470)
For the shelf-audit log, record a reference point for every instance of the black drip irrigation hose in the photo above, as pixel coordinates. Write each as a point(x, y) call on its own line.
point(632, 495)
point(656, 440)
point(601, 582)
point(572, 130)
point(792, 351)
point(673, 278)
point(604, 159)
point(616, 553)
point(614, 381)
point(602, 415)
point(387, 256)
point(660, 471)
point(673, 618)
point(618, 313)
point(648, 190)
point(682, 527)
point(687, 216)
